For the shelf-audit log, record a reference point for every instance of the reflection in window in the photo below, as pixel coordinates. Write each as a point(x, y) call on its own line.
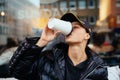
point(117, 3)
point(118, 18)
point(91, 4)
point(82, 4)
point(92, 20)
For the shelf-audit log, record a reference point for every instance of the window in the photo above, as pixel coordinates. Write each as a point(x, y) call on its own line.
point(63, 5)
point(2, 19)
point(91, 4)
point(55, 5)
point(118, 18)
point(2, 1)
point(72, 5)
point(82, 4)
point(6, 30)
point(92, 20)
point(117, 3)
point(3, 29)
point(0, 29)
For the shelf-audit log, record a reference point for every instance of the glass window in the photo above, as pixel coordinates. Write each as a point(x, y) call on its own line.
point(6, 30)
point(0, 30)
point(72, 4)
point(55, 5)
point(1, 1)
point(92, 20)
point(118, 18)
point(63, 4)
point(91, 4)
point(82, 4)
point(117, 3)
point(3, 30)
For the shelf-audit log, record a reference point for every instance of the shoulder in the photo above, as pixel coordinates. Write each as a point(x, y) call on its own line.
point(96, 58)
point(100, 73)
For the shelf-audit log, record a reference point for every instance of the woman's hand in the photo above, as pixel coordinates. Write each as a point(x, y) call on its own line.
point(47, 36)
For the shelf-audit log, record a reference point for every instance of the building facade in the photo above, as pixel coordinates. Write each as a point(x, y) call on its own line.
point(114, 14)
point(99, 13)
point(3, 26)
point(85, 9)
point(109, 13)
point(18, 20)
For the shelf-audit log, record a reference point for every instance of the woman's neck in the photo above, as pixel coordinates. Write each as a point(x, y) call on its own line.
point(77, 54)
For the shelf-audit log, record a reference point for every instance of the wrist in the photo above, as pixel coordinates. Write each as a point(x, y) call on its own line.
point(41, 43)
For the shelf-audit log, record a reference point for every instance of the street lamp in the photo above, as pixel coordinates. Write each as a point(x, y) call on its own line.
point(2, 13)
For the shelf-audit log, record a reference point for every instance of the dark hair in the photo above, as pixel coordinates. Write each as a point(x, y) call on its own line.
point(11, 42)
point(115, 42)
point(99, 38)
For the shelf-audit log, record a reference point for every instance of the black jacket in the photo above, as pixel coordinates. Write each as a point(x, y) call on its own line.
point(30, 62)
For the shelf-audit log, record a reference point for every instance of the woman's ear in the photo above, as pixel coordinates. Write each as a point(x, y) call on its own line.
point(87, 36)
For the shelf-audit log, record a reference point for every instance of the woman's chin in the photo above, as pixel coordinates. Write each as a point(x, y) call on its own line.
point(72, 42)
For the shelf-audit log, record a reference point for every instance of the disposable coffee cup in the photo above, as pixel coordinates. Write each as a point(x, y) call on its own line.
point(64, 27)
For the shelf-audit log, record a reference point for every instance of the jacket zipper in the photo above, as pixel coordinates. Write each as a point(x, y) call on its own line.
point(91, 72)
point(85, 76)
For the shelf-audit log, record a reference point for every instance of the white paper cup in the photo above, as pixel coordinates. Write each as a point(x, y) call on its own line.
point(64, 26)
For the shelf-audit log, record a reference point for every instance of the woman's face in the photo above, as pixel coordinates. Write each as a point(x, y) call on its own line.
point(78, 34)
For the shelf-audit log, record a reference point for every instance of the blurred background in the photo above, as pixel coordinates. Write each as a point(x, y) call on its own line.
point(26, 18)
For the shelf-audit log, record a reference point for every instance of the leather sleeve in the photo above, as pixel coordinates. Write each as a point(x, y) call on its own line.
point(23, 62)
